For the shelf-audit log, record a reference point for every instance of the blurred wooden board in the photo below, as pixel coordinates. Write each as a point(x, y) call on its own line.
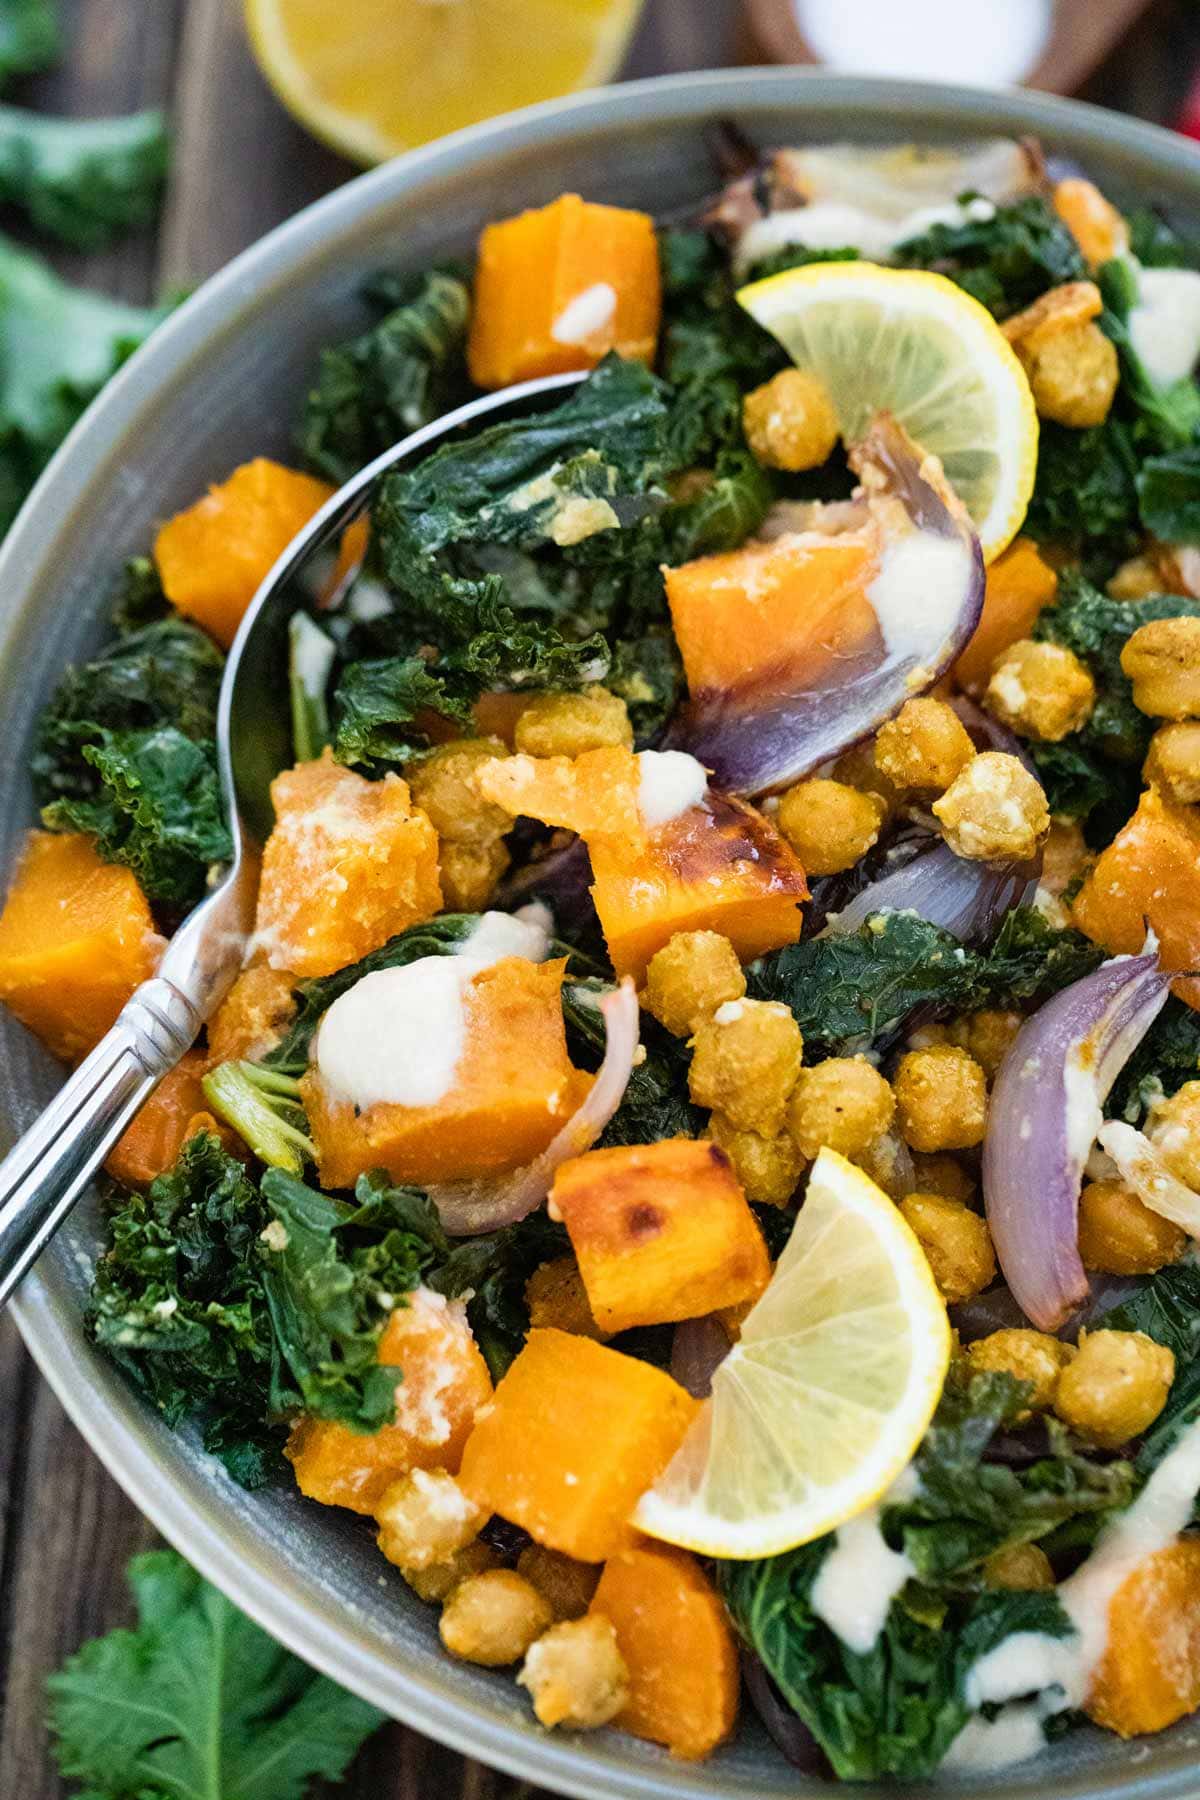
point(65, 1527)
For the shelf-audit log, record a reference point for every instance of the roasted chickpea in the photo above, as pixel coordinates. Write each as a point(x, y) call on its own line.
point(957, 1243)
point(576, 1675)
point(857, 768)
point(435, 1583)
point(1031, 1356)
point(442, 784)
point(829, 825)
point(994, 811)
point(557, 1298)
point(424, 1517)
point(1018, 1566)
point(843, 1104)
point(745, 1063)
point(1136, 579)
point(789, 421)
point(924, 747)
point(469, 873)
point(686, 981)
point(941, 1099)
point(493, 1618)
point(986, 1036)
point(888, 1161)
point(769, 1168)
point(1040, 691)
point(1073, 376)
point(568, 1585)
point(1116, 1386)
point(1173, 764)
point(943, 1174)
point(1066, 858)
point(1162, 659)
point(1119, 1235)
point(569, 724)
point(1174, 1130)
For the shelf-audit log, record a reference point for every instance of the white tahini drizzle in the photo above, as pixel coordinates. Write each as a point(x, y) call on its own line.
point(921, 578)
point(1164, 326)
point(585, 315)
point(670, 782)
point(834, 224)
point(1058, 1671)
point(396, 1037)
point(858, 1581)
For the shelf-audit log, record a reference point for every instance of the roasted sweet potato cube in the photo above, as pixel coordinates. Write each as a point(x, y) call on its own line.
point(213, 557)
point(1019, 585)
point(559, 288)
point(1149, 1675)
point(76, 938)
point(175, 1111)
point(662, 1232)
point(514, 1087)
point(674, 1635)
point(253, 1016)
point(574, 1436)
point(442, 1384)
point(1149, 876)
point(348, 865)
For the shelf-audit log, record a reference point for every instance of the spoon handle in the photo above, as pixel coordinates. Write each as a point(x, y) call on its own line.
point(41, 1177)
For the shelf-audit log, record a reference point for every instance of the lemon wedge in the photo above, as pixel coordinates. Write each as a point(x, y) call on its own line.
point(912, 343)
point(375, 77)
point(825, 1396)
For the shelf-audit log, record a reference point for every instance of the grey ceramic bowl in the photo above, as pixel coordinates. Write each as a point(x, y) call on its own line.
point(217, 384)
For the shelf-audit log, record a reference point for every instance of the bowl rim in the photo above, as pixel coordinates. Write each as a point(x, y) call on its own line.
point(47, 1319)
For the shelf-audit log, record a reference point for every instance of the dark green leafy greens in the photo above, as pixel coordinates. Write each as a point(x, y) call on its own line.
point(1085, 494)
point(29, 37)
point(83, 180)
point(1169, 495)
point(1005, 258)
point(195, 1700)
point(406, 369)
point(1167, 1056)
point(895, 1710)
point(1165, 417)
point(493, 1270)
point(656, 1103)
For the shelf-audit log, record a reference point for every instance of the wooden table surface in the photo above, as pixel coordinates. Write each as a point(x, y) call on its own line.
point(66, 1529)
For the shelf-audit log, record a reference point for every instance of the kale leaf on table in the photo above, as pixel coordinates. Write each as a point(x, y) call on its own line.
point(405, 370)
point(83, 181)
point(1005, 259)
point(195, 1699)
point(894, 1710)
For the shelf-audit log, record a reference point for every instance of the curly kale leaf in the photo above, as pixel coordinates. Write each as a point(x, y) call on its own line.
point(1169, 495)
point(798, 256)
point(83, 181)
point(1005, 259)
point(158, 810)
point(196, 1699)
point(1167, 1056)
point(1167, 416)
point(1086, 489)
point(30, 39)
point(1030, 960)
point(1167, 1308)
point(1077, 781)
point(493, 1270)
point(1155, 243)
point(1097, 629)
point(407, 369)
point(656, 1103)
point(378, 702)
point(139, 600)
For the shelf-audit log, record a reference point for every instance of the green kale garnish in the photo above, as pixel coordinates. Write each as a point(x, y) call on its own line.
point(1085, 490)
point(196, 1700)
point(1167, 1056)
point(1167, 1308)
point(493, 1270)
point(1156, 244)
point(798, 256)
point(83, 180)
point(656, 1103)
point(1006, 259)
point(1165, 417)
point(407, 369)
point(1169, 495)
point(30, 39)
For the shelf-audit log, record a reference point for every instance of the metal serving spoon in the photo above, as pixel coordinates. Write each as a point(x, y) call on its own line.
point(47, 1170)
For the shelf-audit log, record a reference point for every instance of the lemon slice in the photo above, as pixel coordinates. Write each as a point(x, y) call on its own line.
point(825, 1396)
point(915, 344)
point(374, 77)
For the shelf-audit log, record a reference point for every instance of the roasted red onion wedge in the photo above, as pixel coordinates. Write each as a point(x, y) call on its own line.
point(966, 898)
point(1142, 1168)
point(698, 1348)
point(1044, 1117)
point(797, 648)
point(467, 1208)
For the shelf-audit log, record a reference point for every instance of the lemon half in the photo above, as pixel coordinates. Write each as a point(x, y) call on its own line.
point(824, 1398)
point(375, 77)
point(912, 343)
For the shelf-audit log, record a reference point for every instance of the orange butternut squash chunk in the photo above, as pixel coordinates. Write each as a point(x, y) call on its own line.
point(575, 1434)
point(1092, 220)
point(349, 864)
point(442, 1382)
point(719, 866)
point(1149, 1675)
point(253, 1016)
point(674, 1635)
point(514, 1088)
point(1149, 875)
point(559, 288)
point(1018, 585)
point(76, 938)
point(213, 557)
point(175, 1111)
point(661, 1232)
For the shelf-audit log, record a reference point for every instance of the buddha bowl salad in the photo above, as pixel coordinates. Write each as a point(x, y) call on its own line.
point(705, 1150)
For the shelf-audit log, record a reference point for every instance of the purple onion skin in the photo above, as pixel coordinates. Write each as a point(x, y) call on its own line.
point(987, 733)
point(787, 1732)
point(563, 880)
point(788, 717)
point(998, 1311)
point(1032, 1157)
point(698, 1347)
point(966, 898)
